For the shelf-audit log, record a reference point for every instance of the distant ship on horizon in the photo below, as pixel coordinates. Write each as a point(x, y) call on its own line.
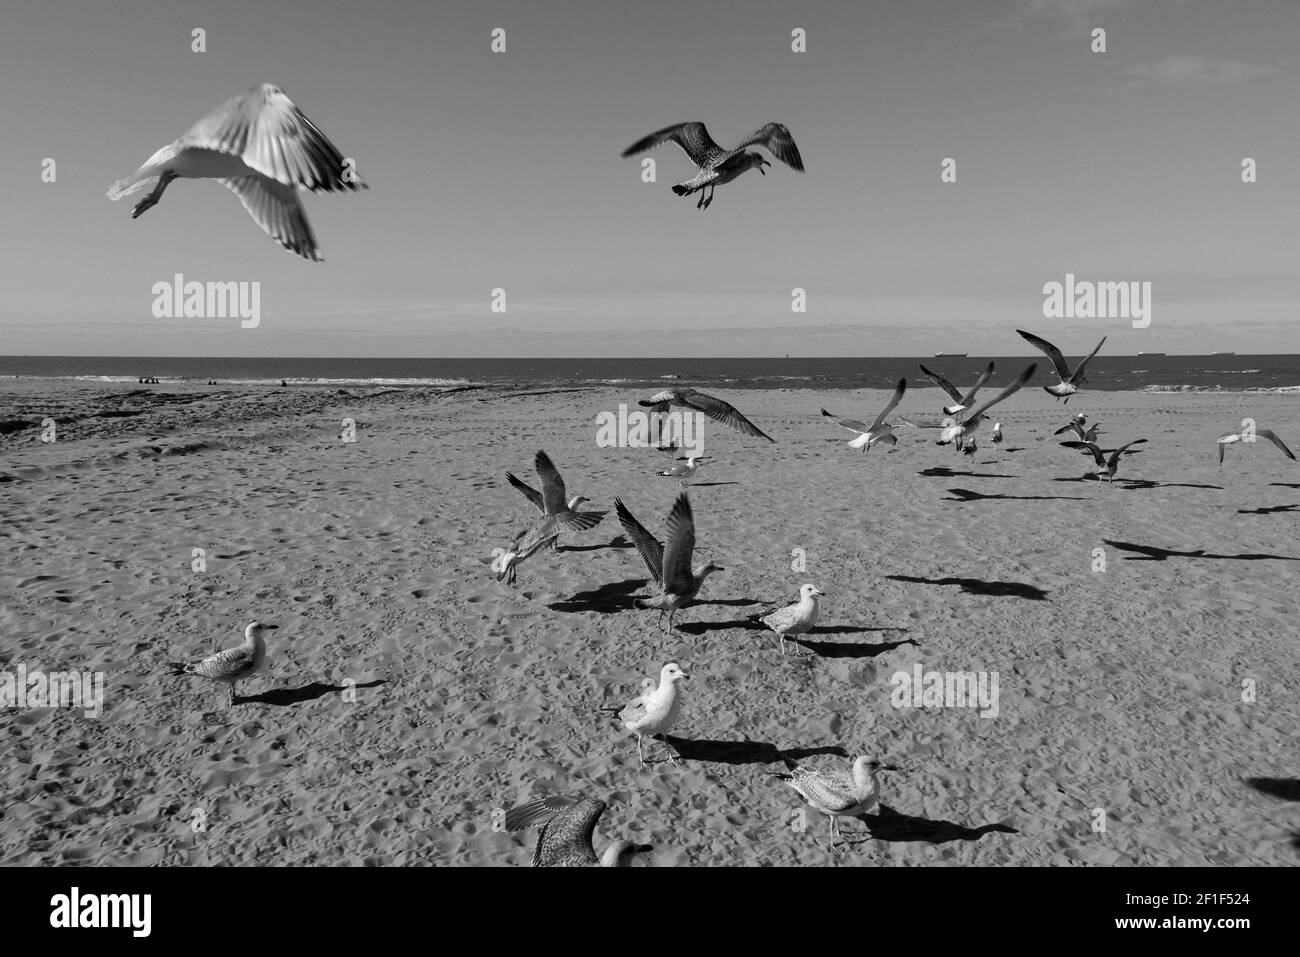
point(1223, 353)
point(950, 355)
point(1151, 353)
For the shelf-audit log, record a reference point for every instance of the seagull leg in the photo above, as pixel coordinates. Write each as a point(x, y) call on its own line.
point(700, 204)
point(639, 755)
point(710, 199)
point(230, 688)
point(150, 201)
point(672, 753)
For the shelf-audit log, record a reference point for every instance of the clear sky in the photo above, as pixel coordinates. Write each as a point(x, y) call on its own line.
point(503, 170)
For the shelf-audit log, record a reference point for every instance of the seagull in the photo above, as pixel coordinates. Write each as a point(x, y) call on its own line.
point(234, 664)
point(551, 499)
point(655, 712)
point(670, 567)
point(962, 402)
point(1075, 425)
point(1070, 381)
point(997, 434)
point(965, 429)
point(1226, 440)
point(684, 472)
point(719, 166)
point(262, 148)
point(796, 619)
point(714, 408)
point(567, 822)
point(878, 431)
point(1105, 466)
point(968, 447)
point(838, 793)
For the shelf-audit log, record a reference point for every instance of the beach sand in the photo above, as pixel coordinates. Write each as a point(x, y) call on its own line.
point(411, 697)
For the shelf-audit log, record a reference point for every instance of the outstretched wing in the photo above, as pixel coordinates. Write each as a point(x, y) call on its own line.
point(1049, 350)
point(553, 494)
point(893, 403)
point(1272, 437)
point(679, 547)
point(722, 412)
point(693, 138)
point(1009, 390)
point(776, 139)
point(943, 383)
point(1092, 450)
point(530, 493)
point(1083, 363)
point(979, 384)
point(1114, 456)
point(651, 549)
point(853, 425)
point(276, 208)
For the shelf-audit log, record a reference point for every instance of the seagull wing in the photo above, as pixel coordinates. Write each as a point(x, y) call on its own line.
point(651, 549)
point(679, 547)
point(1092, 450)
point(1114, 456)
point(893, 403)
point(1222, 444)
point(1009, 390)
point(567, 822)
point(1083, 363)
point(553, 494)
point(826, 792)
point(942, 383)
point(224, 664)
point(693, 138)
point(530, 493)
point(722, 412)
point(776, 139)
point(579, 521)
point(922, 423)
point(853, 425)
point(275, 207)
point(1272, 437)
point(1050, 351)
point(979, 384)
point(268, 132)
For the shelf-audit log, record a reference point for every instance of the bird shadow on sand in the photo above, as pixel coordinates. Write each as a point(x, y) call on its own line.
point(1135, 485)
point(619, 542)
point(710, 484)
point(940, 471)
point(851, 649)
point(1269, 509)
point(890, 825)
point(977, 586)
point(1285, 484)
point(614, 596)
point(744, 752)
point(1288, 789)
point(283, 697)
point(968, 495)
point(1154, 553)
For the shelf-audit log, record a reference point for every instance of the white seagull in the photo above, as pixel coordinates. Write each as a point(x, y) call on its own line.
point(997, 434)
point(568, 822)
point(262, 148)
point(961, 402)
point(655, 712)
point(551, 499)
point(670, 567)
point(713, 407)
point(796, 619)
point(963, 431)
point(1230, 438)
point(838, 793)
point(878, 432)
point(234, 664)
point(1070, 381)
point(1105, 466)
point(719, 166)
point(684, 472)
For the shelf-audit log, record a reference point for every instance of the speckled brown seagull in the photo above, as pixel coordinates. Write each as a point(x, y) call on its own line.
point(551, 499)
point(719, 166)
point(263, 149)
point(838, 793)
point(711, 406)
point(568, 822)
point(233, 665)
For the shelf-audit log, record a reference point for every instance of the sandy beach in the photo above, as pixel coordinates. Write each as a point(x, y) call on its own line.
point(411, 696)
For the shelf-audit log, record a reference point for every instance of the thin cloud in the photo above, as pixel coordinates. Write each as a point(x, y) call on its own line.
point(1183, 70)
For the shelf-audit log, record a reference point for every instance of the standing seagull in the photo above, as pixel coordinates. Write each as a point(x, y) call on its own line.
point(1070, 381)
point(1105, 466)
point(718, 166)
point(670, 567)
point(713, 407)
point(551, 499)
point(655, 712)
point(234, 664)
point(796, 619)
point(878, 431)
point(838, 793)
point(997, 435)
point(965, 429)
point(262, 148)
point(962, 402)
point(1229, 439)
point(684, 472)
point(568, 821)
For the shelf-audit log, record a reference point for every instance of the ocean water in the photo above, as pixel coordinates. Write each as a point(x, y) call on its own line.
point(1279, 373)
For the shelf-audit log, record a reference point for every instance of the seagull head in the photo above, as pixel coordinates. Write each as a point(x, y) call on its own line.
point(577, 500)
point(810, 590)
point(672, 674)
point(256, 628)
point(620, 853)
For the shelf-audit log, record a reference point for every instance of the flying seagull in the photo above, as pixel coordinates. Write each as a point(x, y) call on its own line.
point(262, 148)
point(718, 166)
point(655, 711)
point(234, 664)
point(713, 407)
point(876, 433)
point(551, 499)
point(1229, 439)
point(1105, 466)
point(1075, 425)
point(838, 793)
point(796, 619)
point(1070, 381)
point(961, 402)
point(567, 822)
point(670, 566)
point(966, 428)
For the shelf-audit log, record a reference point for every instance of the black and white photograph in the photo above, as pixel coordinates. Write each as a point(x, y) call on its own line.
point(555, 433)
